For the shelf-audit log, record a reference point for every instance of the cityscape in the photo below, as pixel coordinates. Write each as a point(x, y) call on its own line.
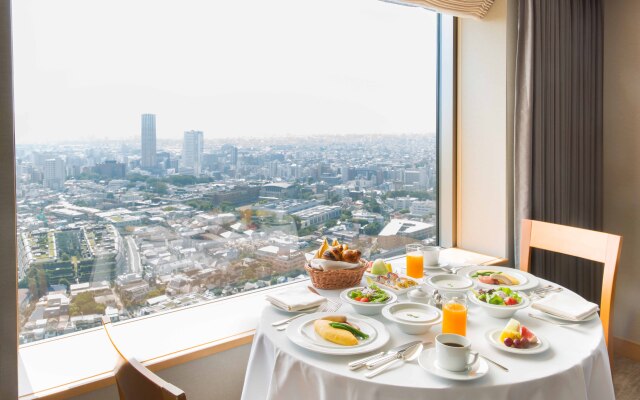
point(127, 228)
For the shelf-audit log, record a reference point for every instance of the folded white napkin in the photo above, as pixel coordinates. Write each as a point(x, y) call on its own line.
point(566, 305)
point(295, 299)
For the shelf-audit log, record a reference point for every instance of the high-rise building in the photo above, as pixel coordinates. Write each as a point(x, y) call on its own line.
point(54, 173)
point(148, 141)
point(234, 156)
point(192, 147)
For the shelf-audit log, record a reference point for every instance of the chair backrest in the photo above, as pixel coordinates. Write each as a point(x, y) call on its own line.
point(591, 245)
point(136, 382)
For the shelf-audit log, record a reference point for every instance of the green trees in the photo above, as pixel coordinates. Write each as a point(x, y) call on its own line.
point(373, 228)
point(85, 304)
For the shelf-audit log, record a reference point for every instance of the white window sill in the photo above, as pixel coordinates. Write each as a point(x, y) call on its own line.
point(61, 367)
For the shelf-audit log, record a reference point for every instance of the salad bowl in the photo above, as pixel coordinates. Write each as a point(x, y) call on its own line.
point(497, 309)
point(368, 300)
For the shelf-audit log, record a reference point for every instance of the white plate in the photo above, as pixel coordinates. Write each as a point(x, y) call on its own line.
point(573, 321)
point(527, 281)
point(427, 361)
point(436, 267)
point(298, 333)
point(493, 337)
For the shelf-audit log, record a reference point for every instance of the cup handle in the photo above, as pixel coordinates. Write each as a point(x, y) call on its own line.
point(473, 357)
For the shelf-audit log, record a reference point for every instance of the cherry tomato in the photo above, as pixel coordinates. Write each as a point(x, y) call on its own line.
point(510, 301)
point(365, 300)
point(358, 298)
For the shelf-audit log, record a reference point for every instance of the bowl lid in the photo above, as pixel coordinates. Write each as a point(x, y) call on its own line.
point(449, 282)
point(416, 313)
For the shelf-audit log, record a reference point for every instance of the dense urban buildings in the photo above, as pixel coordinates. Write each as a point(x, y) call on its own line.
point(125, 229)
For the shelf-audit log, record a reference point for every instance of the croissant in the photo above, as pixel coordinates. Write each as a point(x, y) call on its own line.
point(352, 256)
point(334, 253)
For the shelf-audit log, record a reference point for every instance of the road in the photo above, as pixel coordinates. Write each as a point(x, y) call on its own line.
point(134, 256)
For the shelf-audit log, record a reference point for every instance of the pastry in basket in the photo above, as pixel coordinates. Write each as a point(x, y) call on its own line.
point(337, 329)
point(338, 252)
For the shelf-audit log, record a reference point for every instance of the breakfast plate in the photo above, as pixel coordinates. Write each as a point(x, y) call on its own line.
point(525, 280)
point(493, 337)
point(301, 332)
point(428, 362)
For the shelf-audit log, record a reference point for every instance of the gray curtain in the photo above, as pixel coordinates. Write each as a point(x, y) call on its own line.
point(558, 129)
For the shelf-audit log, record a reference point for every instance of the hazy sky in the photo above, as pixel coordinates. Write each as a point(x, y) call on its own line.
point(87, 69)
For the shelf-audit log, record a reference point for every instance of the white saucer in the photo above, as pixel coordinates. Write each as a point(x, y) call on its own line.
point(435, 267)
point(428, 362)
point(493, 336)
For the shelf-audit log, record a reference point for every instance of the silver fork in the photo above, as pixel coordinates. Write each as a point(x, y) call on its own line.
point(326, 307)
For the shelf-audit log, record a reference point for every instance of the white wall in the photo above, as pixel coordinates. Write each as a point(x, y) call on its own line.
point(622, 154)
point(218, 377)
point(485, 54)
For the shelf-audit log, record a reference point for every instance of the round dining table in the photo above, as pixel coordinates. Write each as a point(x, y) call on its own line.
point(576, 366)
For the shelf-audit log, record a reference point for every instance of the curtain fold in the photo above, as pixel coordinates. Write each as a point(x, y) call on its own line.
point(558, 129)
point(459, 8)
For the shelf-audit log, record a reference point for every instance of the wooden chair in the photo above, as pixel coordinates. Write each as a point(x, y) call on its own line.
point(591, 245)
point(136, 382)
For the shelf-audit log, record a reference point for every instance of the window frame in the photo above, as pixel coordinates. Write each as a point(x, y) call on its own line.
point(446, 176)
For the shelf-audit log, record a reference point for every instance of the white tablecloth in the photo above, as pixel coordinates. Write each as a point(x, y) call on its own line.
point(575, 367)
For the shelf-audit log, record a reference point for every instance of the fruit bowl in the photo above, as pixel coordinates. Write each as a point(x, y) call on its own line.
point(499, 311)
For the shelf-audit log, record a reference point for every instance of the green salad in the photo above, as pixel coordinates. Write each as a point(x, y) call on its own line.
point(369, 294)
point(502, 296)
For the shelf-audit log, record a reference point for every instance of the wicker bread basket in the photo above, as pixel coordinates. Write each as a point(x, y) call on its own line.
point(337, 278)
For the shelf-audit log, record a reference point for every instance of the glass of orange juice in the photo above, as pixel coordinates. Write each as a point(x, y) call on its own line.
point(415, 260)
point(454, 315)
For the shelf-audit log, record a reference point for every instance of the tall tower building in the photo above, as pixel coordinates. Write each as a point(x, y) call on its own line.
point(192, 147)
point(54, 173)
point(148, 141)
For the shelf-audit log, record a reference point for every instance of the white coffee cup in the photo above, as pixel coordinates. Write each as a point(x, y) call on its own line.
point(431, 255)
point(453, 352)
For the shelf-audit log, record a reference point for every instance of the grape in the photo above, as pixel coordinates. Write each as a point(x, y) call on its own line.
point(508, 342)
point(524, 343)
point(517, 343)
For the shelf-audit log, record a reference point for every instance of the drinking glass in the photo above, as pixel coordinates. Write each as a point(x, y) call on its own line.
point(454, 315)
point(415, 260)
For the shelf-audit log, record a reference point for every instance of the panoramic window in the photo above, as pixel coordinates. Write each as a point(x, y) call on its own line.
point(170, 153)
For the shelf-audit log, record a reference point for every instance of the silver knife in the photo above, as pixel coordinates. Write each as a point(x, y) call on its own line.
point(391, 356)
point(363, 361)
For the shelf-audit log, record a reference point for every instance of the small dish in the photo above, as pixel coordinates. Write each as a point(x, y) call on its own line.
point(413, 318)
point(497, 311)
point(493, 337)
point(367, 308)
point(427, 361)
